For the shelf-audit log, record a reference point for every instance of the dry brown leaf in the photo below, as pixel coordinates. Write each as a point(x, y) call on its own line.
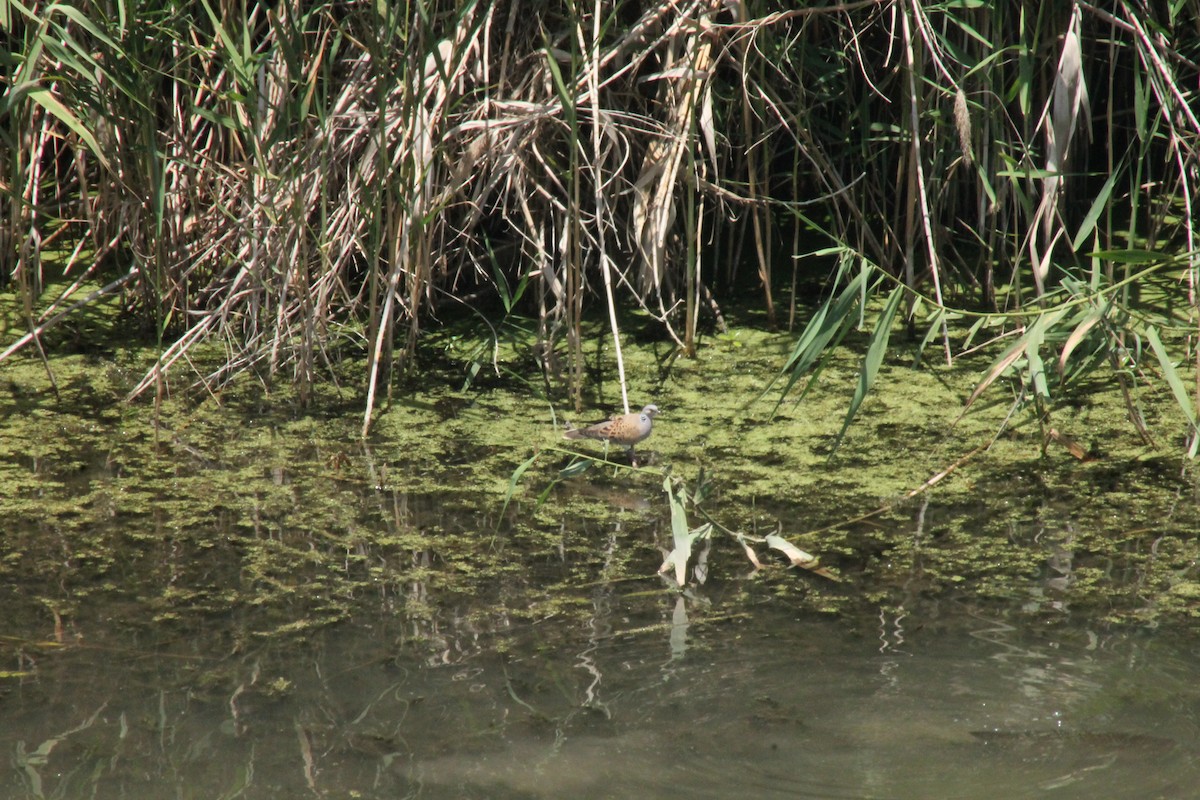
point(798, 557)
point(750, 554)
point(1073, 447)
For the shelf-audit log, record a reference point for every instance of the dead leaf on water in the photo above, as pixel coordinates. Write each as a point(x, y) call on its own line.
point(798, 557)
point(750, 554)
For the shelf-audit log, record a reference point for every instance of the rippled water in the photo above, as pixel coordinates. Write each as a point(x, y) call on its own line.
point(641, 702)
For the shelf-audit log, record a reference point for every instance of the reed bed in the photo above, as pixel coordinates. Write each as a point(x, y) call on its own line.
point(302, 180)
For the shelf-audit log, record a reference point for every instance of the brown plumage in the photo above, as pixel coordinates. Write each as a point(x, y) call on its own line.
point(625, 429)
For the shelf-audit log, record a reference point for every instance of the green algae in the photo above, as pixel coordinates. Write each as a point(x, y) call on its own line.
point(240, 503)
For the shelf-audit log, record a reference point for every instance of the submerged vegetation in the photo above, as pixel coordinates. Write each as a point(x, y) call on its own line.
point(306, 183)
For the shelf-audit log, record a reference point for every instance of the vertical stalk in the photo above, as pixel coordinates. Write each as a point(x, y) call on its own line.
point(753, 182)
point(693, 220)
point(918, 165)
point(601, 215)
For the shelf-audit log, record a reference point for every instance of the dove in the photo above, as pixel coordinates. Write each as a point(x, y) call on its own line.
point(623, 429)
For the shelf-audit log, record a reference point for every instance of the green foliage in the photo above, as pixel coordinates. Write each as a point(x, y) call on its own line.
point(1084, 329)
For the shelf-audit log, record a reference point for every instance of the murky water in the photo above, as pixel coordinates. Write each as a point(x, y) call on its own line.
point(243, 607)
point(655, 696)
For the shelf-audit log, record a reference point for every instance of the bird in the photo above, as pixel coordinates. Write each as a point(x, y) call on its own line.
point(624, 429)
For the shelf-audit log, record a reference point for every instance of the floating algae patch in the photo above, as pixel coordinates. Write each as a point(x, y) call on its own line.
point(214, 509)
point(466, 496)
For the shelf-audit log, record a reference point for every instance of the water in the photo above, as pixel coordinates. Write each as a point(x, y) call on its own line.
point(240, 608)
point(655, 695)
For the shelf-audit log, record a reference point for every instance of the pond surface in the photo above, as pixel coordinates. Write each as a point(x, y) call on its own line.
point(655, 695)
point(235, 601)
